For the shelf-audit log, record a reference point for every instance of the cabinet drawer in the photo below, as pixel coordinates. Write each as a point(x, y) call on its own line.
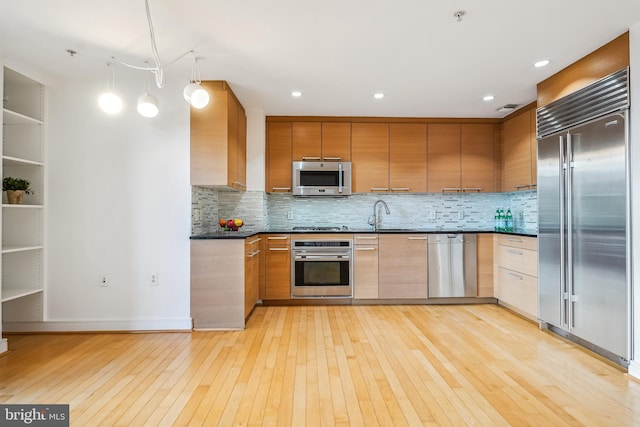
point(519, 290)
point(521, 242)
point(277, 241)
point(365, 239)
point(520, 260)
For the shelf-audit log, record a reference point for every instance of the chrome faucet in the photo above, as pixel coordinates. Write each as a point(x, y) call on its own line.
point(373, 220)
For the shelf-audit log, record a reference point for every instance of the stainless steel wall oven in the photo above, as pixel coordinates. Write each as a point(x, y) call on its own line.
point(322, 268)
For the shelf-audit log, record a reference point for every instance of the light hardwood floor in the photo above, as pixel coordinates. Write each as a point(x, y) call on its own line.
point(334, 365)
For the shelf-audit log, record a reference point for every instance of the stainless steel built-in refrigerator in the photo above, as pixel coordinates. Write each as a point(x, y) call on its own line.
point(583, 204)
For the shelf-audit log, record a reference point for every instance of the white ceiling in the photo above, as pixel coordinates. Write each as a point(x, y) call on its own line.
point(337, 52)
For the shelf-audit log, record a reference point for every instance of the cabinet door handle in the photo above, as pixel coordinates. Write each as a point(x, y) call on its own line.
point(254, 241)
point(240, 184)
point(333, 159)
point(445, 189)
point(379, 189)
point(365, 249)
point(279, 249)
point(417, 238)
point(514, 276)
point(514, 240)
point(367, 237)
point(518, 187)
point(511, 251)
point(304, 159)
point(252, 254)
point(400, 188)
point(277, 237)
point(477, 189)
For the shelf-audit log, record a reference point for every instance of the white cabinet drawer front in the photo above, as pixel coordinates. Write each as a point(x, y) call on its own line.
point(521, 260)
point(519, 290)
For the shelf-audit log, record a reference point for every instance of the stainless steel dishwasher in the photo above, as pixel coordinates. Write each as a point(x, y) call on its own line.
point(452, 265)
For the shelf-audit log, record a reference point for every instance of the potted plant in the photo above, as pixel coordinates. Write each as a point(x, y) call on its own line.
point(16, 188)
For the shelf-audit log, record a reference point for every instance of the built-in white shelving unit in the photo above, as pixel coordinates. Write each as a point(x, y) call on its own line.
point(23, 229)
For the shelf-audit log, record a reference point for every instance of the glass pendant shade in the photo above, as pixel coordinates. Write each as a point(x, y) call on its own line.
point(148, 105)
point(110, 103)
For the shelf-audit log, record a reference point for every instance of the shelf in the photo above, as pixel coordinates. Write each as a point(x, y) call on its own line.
point(12, 294)
point(12, 118)
point(13, 249)
point(16, 161)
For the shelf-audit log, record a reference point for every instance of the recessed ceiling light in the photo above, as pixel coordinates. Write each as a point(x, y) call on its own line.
point(488, 98)
point(378, 95)
point(296, 94)
point(542, 63)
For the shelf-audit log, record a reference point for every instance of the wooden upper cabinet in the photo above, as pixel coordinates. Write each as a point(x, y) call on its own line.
point(477, 158)
point(443, 158)
point(307, 141)
point(408, 157)
point(336, 141)
point(518, 161)
point(533, 138)
point(279, 146)
point(370, 157)
point(321, 141)
point(218, 140)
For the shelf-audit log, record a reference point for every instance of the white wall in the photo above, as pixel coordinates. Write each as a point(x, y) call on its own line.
point(118, 205)
point(634, 48)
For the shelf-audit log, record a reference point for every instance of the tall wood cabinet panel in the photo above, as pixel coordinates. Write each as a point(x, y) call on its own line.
point(402, 266)
point(23, 226)
point(408, 157)
point(336, 141)
point(518, 160)
point(443, 157)
point(370, 157)
point(279, 156)
point(218, 145)
point(477, 164)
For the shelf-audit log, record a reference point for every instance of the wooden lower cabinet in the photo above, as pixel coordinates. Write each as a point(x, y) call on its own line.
point(402, 266)
point(277, 267)
point(365, 266)
point(251, 273)
point(485, 265)
point(516, 273)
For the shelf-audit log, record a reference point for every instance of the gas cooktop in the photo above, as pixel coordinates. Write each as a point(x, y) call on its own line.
point(314, 228)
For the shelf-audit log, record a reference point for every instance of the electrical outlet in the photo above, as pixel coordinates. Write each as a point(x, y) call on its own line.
point(432, 214)
point(154, 279)
point(289, 214)
point(461, 215)
point(104, 282)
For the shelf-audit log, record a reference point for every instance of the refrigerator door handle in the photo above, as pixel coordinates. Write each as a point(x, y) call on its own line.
point(564, 309)
point(568, 262)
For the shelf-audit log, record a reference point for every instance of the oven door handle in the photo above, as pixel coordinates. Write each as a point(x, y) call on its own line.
point(323, 257)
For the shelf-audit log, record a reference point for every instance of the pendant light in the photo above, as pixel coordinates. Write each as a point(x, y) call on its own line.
point(109, 101)
point(194, 93)
point(148, 105)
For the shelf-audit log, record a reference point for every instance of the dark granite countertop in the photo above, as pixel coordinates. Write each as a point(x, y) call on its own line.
point(245, 234)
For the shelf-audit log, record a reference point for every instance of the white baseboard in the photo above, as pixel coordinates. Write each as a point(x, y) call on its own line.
point(634, 369)
point(99, 325)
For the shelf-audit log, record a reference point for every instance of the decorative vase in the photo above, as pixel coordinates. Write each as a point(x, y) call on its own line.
point(15, 197)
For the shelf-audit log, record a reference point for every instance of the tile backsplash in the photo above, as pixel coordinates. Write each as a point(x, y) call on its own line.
point(261, 211)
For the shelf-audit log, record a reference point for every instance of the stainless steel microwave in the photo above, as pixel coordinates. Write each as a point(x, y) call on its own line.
point(321, 179)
